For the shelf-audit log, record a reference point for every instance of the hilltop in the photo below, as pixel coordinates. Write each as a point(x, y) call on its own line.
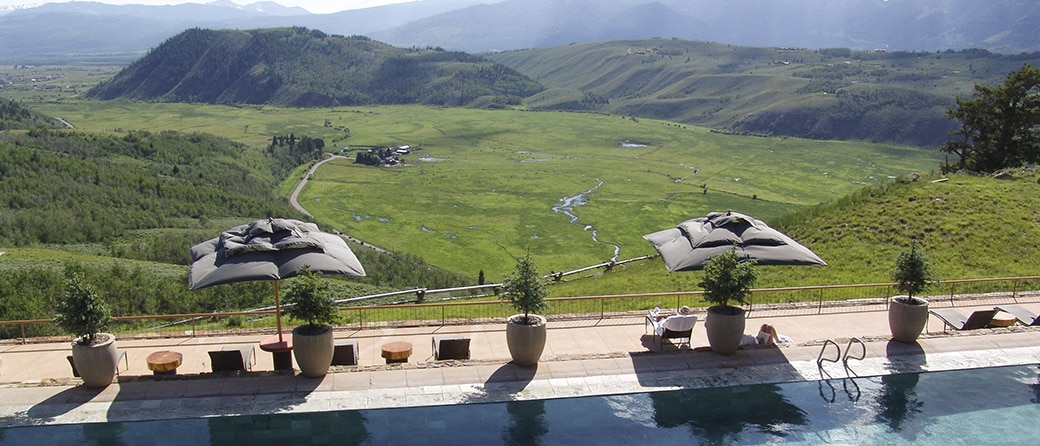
point(837, 93)
point(87, 32)
point(298, 67)
point(891, 97)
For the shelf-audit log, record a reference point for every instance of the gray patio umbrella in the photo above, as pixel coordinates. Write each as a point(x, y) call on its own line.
point(691, 243)
point(275, 249)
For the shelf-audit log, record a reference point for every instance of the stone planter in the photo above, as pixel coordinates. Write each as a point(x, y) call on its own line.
point(526, 342)
point(724, 330)
point(96, 363)
point(313, 352)
point(907, 320)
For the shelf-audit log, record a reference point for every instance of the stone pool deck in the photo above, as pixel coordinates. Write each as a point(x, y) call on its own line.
point(582, 357)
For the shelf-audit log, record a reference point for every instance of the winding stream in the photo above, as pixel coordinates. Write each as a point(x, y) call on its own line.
point(567, 205)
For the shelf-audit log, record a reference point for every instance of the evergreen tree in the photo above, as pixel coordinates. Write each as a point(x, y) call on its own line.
point(999, 127)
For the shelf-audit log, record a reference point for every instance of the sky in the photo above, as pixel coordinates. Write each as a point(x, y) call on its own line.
point(314, 6)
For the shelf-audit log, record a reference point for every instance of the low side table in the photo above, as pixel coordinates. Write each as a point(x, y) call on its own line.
point(396, 352)
point(164, 362)
point(281, 351)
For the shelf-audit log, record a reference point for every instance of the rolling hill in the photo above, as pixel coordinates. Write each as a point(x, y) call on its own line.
point(297, 67)
point(87, 32)
point(821, 94)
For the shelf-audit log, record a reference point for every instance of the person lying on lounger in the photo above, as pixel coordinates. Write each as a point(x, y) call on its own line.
point(767, 335)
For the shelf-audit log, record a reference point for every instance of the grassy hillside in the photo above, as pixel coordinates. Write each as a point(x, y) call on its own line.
point(818, 93)
point(307, 68)
point(489, 179)
point(482, 186)
point(968, 227)
point(483, 183)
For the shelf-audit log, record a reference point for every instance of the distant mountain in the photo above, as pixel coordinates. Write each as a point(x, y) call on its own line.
point(881, 96)
point(90, 32)
point(1006, 26)
point(299, 67)
point(82, 31)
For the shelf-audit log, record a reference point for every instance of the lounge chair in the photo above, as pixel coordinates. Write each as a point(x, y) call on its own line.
point(120, 356)
point(674, 327)
point(233, 358)
point(1023, 315)
point(345, 353)
point(450, 347)
point(957, 321)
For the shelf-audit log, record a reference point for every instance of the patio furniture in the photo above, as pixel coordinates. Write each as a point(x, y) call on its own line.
point(120, 356)
point(164, 362)
point(957, 321)
point(396, 352)
point(233, 358)
point(1023, 315)
point(281, 351)
point(676, 326)
point(345, 352)
point(450, 347)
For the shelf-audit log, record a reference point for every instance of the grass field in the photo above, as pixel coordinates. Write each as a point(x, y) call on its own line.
point(481, 185)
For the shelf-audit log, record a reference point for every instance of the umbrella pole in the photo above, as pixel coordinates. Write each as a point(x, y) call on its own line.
point(277, 311)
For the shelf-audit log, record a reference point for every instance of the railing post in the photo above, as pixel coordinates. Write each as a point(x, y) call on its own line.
point(819, 308)
point(24, 339)
point(1014, 291)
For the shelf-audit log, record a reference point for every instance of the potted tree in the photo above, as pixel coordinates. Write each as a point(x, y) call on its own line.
point(907, 313)
point(726, 279)
point(83, 314)
point(309, 299)
point(525, 333)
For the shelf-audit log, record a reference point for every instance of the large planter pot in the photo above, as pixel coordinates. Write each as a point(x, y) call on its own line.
point(313, 352)
point(525, 342)
point(906, 320)
point(725, 327)
point(96, 363)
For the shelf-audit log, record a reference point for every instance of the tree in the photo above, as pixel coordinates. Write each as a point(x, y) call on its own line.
point(525, 289)
point(913, 272)
point(728, 278)
point(999, 127)
point(310, 300)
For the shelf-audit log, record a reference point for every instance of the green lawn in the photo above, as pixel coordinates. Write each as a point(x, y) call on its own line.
point(481, 185)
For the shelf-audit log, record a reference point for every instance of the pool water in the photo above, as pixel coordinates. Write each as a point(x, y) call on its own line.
point(979, 406)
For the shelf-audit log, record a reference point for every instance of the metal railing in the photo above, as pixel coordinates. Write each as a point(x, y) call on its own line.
point(764, 302)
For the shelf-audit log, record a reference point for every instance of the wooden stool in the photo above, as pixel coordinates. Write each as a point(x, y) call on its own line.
point(164, 362)
point(397, 351)
point(1002, 319)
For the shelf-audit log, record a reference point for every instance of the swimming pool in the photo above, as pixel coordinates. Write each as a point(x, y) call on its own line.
point(980, 406)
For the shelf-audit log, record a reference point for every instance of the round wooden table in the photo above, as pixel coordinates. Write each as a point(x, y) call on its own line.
point(1002, 319)
point(164, 362)
point(397, 351)
point(281, 350)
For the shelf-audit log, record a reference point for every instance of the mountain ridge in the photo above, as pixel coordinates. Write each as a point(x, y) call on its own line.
point(298, 67)
point(118, 34)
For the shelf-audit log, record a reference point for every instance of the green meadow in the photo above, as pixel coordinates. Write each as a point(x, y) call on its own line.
point(480, 186)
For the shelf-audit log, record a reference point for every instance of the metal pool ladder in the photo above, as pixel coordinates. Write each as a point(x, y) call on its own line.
point(837, 354)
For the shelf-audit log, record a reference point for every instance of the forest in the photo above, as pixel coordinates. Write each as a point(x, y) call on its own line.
point(150, 196)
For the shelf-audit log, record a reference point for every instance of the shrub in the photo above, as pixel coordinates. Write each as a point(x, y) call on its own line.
point(727, 278)
point(82, 312)
point(913, 272)
point(525, 289)
point(309, 299)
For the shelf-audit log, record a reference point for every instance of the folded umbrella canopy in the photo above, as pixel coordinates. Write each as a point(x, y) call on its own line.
point(691, 243)
point(275, 249)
